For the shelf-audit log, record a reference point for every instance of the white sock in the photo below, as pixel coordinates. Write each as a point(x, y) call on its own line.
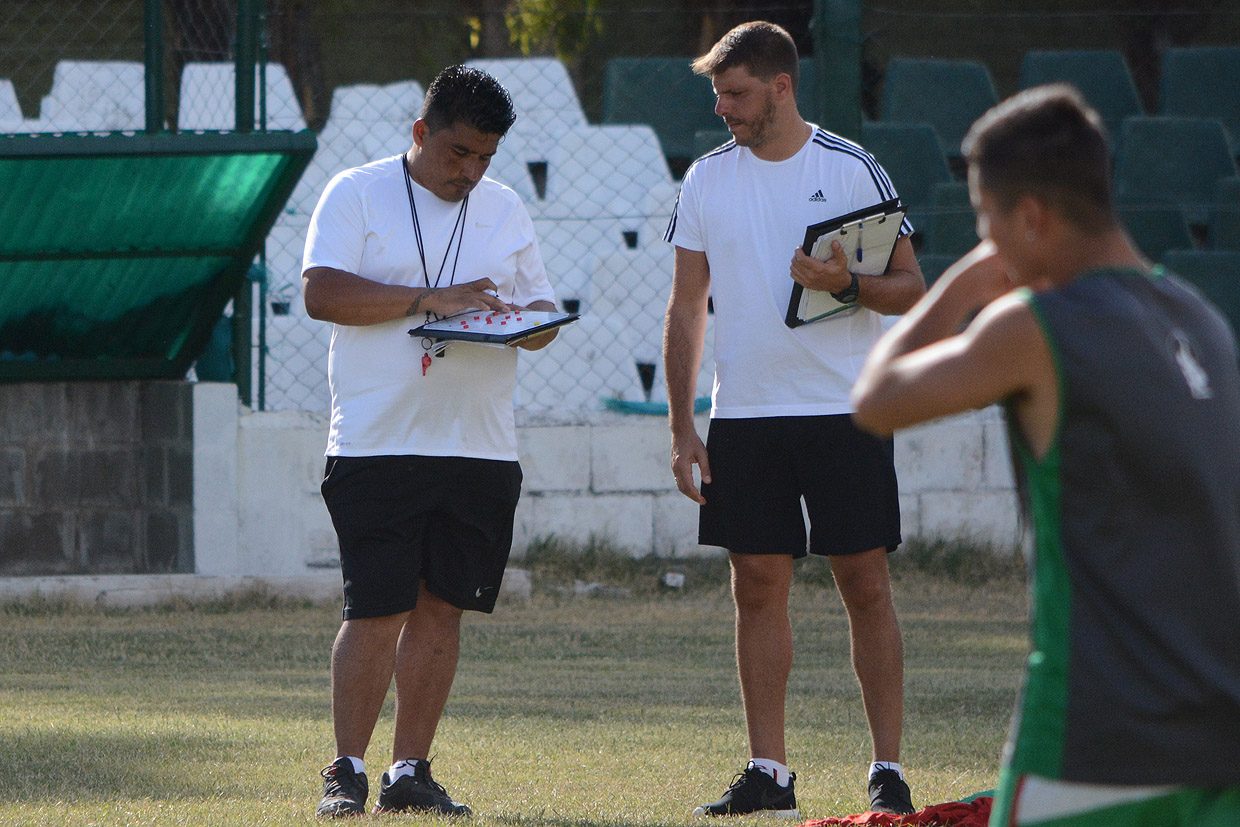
point(774, 769)
point(886, 765)
point(402, 767)
point(359, 766)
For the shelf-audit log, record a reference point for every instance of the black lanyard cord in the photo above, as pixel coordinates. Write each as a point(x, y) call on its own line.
point(458, 234)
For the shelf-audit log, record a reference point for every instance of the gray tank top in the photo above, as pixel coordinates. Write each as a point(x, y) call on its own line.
point(1135, 673)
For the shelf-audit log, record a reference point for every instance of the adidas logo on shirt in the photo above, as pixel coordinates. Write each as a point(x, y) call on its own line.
point(818, 196)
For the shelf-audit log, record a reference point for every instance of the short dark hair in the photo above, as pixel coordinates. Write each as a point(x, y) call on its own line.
point(763, 49)
point(461, 94)
point(1048, 142)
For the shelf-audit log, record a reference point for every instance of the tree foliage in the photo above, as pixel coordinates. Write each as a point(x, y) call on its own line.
point(564, 28)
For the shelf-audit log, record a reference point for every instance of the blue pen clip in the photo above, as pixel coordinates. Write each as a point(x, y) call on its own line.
point(860, 227)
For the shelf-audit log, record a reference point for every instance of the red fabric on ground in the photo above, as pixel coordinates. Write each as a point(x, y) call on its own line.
point(975, 813)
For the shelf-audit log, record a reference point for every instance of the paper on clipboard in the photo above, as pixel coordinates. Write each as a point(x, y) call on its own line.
point(868, 237)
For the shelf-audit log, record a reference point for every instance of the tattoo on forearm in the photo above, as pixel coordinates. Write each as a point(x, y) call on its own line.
point(417, 302)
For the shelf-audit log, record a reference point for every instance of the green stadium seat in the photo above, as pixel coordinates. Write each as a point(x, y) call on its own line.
point(947, 94)
point(1216, 273)
point(1225, 215)
point(1203, 82)
point(1156, 227)
point(953, 227)
point(910, 154)
point(1172, 159)
point(664, 93)
point(807, 89)
point(933, 265)
point(1101, 75)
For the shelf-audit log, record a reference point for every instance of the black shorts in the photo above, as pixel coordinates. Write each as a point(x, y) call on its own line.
point(402, 519)
point(761, 468)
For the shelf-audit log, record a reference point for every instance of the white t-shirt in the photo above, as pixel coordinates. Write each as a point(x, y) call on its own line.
point(382, 404)
point(748, 216)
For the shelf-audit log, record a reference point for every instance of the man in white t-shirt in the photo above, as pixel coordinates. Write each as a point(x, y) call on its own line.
point(780, 428)
point(422, 477)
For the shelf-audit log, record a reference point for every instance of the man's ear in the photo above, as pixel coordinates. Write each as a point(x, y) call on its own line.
point(783, 85)
point(1035, 216)
point(420, 131)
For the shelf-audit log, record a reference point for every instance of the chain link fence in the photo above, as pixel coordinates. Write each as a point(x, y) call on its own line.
point(604, 130)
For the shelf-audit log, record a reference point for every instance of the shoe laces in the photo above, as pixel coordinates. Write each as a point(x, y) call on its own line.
point(422, 773)
point(741, 777)
point(339, 781)
point(884, 776)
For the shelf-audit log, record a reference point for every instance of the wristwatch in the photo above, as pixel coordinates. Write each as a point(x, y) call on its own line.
point(849, 294)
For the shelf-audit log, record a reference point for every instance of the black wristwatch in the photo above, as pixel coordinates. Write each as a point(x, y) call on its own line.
point(849, 294)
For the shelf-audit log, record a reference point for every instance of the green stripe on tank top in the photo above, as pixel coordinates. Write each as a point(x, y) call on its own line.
point(1040, 730)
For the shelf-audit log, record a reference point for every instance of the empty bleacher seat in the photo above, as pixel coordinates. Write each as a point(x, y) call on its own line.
point(665, 93)
point(1203, 82)
point(952, 225)
point(208, 98)
point(10, 110)
point(542, 91)
point(589, 172)
point(1172, 159)
point(1216, 273)
point(1225, 215)
point(94, 96)
point(910, 154)
point(399, 102)
point(947, 94)
point(1155, 227)
point(591, 359)
point(1101, 75)
point(366, 122)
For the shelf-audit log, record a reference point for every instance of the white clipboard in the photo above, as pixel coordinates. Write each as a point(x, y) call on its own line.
point(493, 327)
point(868, 237)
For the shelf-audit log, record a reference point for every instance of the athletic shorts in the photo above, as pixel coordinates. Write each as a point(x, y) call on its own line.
point(1040, 802)
point(760, 469)
point(404, 519)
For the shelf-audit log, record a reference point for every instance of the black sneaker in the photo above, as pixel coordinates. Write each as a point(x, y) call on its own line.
point(417, 793)
point(753, 791)
point(889, 793)
point(344, 791)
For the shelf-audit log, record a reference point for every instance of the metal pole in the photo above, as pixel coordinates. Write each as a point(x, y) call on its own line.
point(242, 337)
point(259, 274)
point(246, 57)
point(153, 22)
point(246, 54)
point(836, 30)
point(261, 22)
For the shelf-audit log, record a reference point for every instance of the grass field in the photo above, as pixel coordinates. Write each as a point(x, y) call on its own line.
point(568, 710)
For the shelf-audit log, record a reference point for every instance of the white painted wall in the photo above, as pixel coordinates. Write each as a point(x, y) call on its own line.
point(258, 511)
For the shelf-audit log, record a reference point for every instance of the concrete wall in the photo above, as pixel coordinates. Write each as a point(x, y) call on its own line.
point(96, 477)
point(258, 511)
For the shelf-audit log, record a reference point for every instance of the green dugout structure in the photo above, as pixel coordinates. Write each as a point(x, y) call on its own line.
point(119, 252)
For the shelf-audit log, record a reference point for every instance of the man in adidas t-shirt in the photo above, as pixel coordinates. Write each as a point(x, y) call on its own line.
point(780, 428)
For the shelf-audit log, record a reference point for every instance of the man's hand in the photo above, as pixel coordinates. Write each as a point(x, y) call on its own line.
point(457, 298)
point(831, 275)
point(539, 340)
point(687, 451)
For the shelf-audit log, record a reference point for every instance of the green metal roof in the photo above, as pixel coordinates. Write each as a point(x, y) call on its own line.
point(118, 252)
